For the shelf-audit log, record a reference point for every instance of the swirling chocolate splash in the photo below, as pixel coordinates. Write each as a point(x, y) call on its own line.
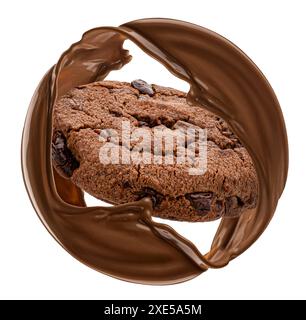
point(123, 241)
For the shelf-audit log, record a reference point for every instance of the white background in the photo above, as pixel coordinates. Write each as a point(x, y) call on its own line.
point(35, 33)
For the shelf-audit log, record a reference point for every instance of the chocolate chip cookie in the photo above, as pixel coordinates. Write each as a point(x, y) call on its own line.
point(82, 117)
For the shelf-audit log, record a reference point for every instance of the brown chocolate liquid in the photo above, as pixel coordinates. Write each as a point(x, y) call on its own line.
point(123, 241)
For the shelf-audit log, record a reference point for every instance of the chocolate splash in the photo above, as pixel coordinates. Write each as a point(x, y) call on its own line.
point(123, 241)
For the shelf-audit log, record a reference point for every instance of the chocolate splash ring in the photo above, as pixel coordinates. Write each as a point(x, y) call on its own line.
point(123, 241)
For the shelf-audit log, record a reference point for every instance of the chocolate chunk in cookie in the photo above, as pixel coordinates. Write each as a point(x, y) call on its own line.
point(155, 196)
point(143, 87)
point(62, 156)
point(201, 201)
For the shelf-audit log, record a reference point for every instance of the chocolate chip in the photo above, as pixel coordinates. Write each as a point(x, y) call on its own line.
point(201, 201)
point(233, 206)
point(219, 208)
point(143, 87)
point(155, 196)
point(62, 156)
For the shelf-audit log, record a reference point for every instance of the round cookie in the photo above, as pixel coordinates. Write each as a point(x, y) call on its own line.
point(227, 188)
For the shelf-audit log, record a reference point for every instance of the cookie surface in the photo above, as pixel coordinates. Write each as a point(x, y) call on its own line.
point(227, 188)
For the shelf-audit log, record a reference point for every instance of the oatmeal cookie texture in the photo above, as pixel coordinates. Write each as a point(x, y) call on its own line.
point(227, 188)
